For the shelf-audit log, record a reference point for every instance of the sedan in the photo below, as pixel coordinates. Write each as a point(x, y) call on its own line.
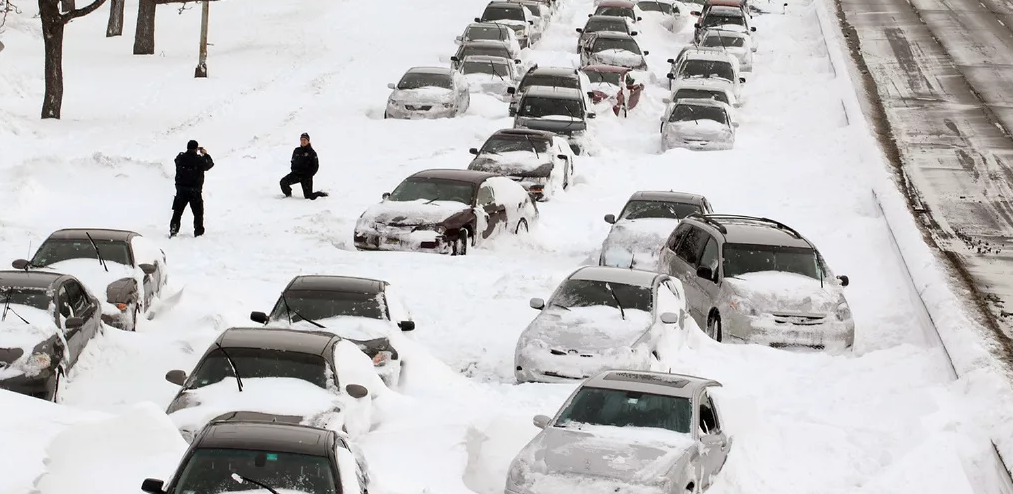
point(644, 223)
point(541, 161)
point(698, 124)
point(428, 92)
point(491, 31)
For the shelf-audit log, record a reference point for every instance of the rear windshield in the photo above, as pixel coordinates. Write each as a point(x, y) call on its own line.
point(719, 20)
point(717, 40)
point(498, 13)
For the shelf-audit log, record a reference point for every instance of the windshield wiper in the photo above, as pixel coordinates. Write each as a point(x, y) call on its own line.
point(291, 312)
point(97, 253)
point(239, 380)
point(557, 304)
point(243, 479)
point(493, 67)
point(535, 148)
point(622, 313)
point(7, 307)
point(431, 200)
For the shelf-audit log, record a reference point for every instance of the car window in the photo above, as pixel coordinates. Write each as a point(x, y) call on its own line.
point(78, 300)
point(53, 251)
point(690, 247)
point(255, 363)
point(485, 195)
point(677, 235)
point(622, 408)
point(210, 470)
point(63, 303)
point(709, 257)
point(708, 416)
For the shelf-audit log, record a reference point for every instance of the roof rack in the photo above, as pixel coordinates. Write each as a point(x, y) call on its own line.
point(533, 67)
point(706, 218)
point(778, 224)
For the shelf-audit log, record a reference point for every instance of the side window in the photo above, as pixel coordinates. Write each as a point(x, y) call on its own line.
point(675, 287)
point(708, 417)
point(677, 235)
point(689, 249)
point(485, 195)
point(63, 302)
point(709, 257)
point(78, 301)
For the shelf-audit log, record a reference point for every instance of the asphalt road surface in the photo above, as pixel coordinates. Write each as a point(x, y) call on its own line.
point(944, 74)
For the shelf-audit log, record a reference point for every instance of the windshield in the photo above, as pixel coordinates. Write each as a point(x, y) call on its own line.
point(534, 106)
point(549, 81)
point(416, 80)
point(612, 78)
point(31, 297)
point(319, 304)
point(701, 94)
point(54, 251)
point(489, 51)
point(595, 25)
point(593, 293)
point(414, 189)
point(255, 362)
point(707, 69)
point(616, 11)
point(655, 7)
point(492, 68)
point(209, 471)
point(499, 13)
point(717, 40)
point(721, 20)
point(689, 113)
point(657, 209)
point(618, 408)
point(602, 44)
point(497, 33)
point(751, 258)
point(505, 143)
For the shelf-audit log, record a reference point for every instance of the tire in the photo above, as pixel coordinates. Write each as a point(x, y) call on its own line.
point(714, 327)
point(461, 244)
point(524, 222)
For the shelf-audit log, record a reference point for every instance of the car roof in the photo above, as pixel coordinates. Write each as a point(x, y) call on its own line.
point(607, 68)
point(483, 43)
point(614, 18)
point(752, 230)
point(615, 3)
point(457, 174)
point(666, 196)
point(554, 92)
point(725, 3)
point(487, 58)
point(726, 11)
point(96, 233)
point(554, 71)
point(501, 3)
point(288, 340)
point(613, 34)
point(332, 283)
point(29, 279)
point(662, 383)
point(429, 70)
point(268, 437)
point(544, 134)
point(702, 102)
point(625, 276)
point(490, 25)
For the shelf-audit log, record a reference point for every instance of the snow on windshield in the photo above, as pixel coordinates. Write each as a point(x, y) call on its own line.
point(425, 189)
point(591, 293)
point(689, 113)
point(537, 107)
point(723, 40)
point(657, 209)
point(740, 259)
point(315, 305)
point(211, 469)
point(714, 94)
point(478, 33)
point(418, 80)
point(635, 409)
point(603, 44)
point(706, 69)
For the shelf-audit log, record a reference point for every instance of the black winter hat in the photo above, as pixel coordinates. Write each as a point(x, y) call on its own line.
point(192, 145)
point(305, 136)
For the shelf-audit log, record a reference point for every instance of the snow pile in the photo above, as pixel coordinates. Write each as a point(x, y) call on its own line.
point(96, 279)
point(15, 333)
point(781, 290)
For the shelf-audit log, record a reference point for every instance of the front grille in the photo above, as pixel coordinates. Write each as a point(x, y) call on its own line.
point(798, 319)
point(796, 345)
point(554, 374)
point(419, 107)
point(570, 352)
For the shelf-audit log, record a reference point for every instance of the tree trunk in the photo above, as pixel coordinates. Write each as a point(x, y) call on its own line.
point(52, 37)
point(144, 35)
point(115, 27)
point(67, 5)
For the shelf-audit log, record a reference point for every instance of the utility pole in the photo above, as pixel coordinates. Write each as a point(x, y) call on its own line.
point(202, 67)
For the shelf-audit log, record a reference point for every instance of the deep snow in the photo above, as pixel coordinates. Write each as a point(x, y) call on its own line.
point(802, 423)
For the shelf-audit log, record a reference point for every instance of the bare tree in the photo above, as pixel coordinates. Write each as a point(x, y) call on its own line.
point(54, 22)
point(6, 7)
point(115, 27)
point(144, 33)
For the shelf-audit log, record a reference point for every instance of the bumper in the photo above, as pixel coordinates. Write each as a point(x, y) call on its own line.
point(830, 336)
point(695, 145)
point(437, 110)
point(40, 386)
point(396, 240)
point(556, 368)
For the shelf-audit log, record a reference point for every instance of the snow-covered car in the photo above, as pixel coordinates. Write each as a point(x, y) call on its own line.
point(491, 31)
point(318, 376)
point(720, 17)
point(688, 50)
point(620, 8)
point(541, 161)
point(47, 320)
point(514, 16)
point(735, 43)
point(428, 92)
point(600, 318)
point(643, 225)
point(603, 23)
point(626, 432)
point(715, 89)
point(256, 455)
point(485, 48)
point(491, 75)
point(663, 12)
point(537, 76)
point(611, 48)
point(128, 268)
point(559, 110)
point(706, 6)
point(363, 310)
point(698, 124)
point(539, 11)
point(445, 211)
point(757, 280)
point(615, 85)
point(710, 65)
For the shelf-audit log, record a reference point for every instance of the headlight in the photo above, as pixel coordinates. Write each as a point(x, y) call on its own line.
point(382, 358)
point(448, 105)
point(35, 364)
point(843, 312)
point(518, 474)
point(744, 307)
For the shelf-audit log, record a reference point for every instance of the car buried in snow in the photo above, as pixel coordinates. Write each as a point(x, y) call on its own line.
point(128, 268)
point(644, 224)
point(483, 48)
point(536, 76)
point(626, 431)
point(491, 31)
point(756, 280)
point(428, 92)
point(615, 85)
point(601, 318)
point(514, 16)
point(445, 211)
point(539, 11)
point(252, 454)
point(487, 74)
point(46, 322)
point(610, 48)
point(709, 66)
point(619, 8)
point(663, 12)
point(314, 378)
point(726, 18)
point(699, 125)
point(603, 23)
point(715, 89)
point(362, 310)
point(737, 44)
point(559, 110)
point(708, 4)
point(541, 161)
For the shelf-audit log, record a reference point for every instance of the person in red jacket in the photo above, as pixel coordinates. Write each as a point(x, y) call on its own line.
point(305, 165)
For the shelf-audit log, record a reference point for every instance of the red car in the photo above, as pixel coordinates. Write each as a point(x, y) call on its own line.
point(615, 84)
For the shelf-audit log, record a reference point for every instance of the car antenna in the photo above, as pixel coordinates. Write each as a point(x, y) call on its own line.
point(239, 380)
point(97, 253)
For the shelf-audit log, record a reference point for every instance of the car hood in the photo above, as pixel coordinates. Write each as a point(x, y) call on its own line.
point(18, 339)
point(96, 278)
point(629, 455)
point(514, 163)
point(481, 78)
point(595, 329)
point(553, 123)
point(622, 58)
point(776, 290)
point(412, 213)
point(348, 327)
point(700, 129)
point(423, 95)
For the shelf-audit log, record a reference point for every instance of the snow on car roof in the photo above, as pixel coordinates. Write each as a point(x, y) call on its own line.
point(543, 134)
point(555, 71)
point(29, 279)
point(725, 10)
point(681, 385)
point(666, 196)
point(96, 233)
point(612, 34)
point(335, 284)
point(272, 437)
point(429, 70)
point(554, 92)
point(633, 277)
point(615, 69)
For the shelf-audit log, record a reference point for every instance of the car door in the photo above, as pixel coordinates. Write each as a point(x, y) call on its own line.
point(687, 257)
point(715, 444)
point(495, 212)
point(708, 287)
point(85, 307)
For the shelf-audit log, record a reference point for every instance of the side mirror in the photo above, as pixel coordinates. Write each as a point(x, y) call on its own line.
point(696, 26)
point(541, 421)
point(391, 85)
point(844, 280)
point(176, 377)
point(580, 30)
point(73, 322)
point(590, 94)
point(356, 391)
point(590, 15)
point(537, 303)
point(477, 19)
point(752, 29)
point(670, 75)
point(640, 18)
point(531, 22)
point(610, 219)
point(147, 268)
point(152, 486)
point(666, 100)
point(455, 59)
point(669, 318)
point(20, 264)
point(511, 90)
point(561, 156)
point(406, 325)
point(459, 40)
point(473, 151)
point(671, 61)
point(735, 124)
point(517, 60)
point(742, 80)
point(705, 272)
point(512, 112)
point(591, 115)
point(385, 195)
point(258, 317)
point(695, 13)
point(646, 53)
point(633, 33)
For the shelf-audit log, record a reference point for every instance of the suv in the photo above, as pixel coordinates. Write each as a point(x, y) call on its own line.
point(560, 110)
point(566, 77)
point(758, 281)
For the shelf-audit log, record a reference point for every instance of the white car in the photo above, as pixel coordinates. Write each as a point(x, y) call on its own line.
point(612, 48)
point(491, 31)
point(736, 43)
point(716, 89)
point(428, 92)
point(647, 219)
point(490, 75)
point(720, 66)
point(601, 318)
point(541, 161)
point(698, 124)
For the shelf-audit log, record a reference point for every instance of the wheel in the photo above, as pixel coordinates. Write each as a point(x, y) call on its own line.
point(714, 327)
point(521, 225)
point(461, 244)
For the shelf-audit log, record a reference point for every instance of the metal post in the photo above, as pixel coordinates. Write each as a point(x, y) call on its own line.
point(202, 67)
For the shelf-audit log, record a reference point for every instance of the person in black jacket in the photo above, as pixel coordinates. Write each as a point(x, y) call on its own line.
point(190, 168)
point(304, 165)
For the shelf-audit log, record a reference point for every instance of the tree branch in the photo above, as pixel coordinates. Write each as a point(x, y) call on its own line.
point(74, 14)
point(7, 7)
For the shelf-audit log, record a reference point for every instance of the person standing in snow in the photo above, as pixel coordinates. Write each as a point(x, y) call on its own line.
point(190, 168)
point(305, 165)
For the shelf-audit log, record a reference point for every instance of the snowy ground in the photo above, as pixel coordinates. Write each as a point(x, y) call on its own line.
point(885, 420)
